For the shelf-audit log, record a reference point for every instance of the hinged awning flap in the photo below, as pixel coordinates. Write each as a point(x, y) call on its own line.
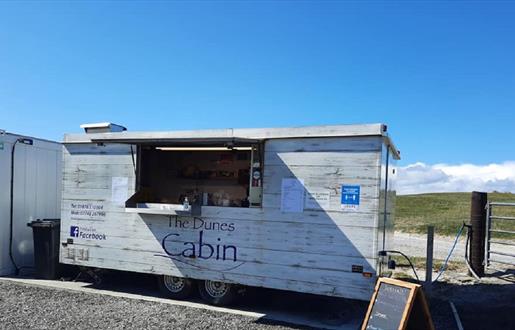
point(240, 136)
point(181, 141)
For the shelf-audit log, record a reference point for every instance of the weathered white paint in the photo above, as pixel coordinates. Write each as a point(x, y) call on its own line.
point(241, 133)
point(312, 251)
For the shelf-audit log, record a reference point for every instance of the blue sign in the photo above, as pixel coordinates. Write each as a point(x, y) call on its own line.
point(74, 231)
point(350, 195)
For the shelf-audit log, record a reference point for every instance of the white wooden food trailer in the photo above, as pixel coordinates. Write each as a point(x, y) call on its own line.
point(301, 208)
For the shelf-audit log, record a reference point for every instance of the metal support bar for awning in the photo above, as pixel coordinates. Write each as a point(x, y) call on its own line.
point(181, 142)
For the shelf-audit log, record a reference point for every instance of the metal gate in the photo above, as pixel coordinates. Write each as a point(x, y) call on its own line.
point(499, 250)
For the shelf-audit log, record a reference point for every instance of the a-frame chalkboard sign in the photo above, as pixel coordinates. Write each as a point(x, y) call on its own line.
point(397, 305)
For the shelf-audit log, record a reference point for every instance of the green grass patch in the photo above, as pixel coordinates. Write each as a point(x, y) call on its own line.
point(404, 272)
point(446, 212)
point(420, 263)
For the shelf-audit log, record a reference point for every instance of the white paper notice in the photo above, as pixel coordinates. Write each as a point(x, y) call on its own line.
point(292, 195)
point(119, 190)
point(317, 200)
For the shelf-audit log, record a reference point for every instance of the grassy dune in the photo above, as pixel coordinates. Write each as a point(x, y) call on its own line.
point(446, 211)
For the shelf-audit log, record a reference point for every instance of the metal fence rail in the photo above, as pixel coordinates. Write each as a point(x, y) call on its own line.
point(498, 244)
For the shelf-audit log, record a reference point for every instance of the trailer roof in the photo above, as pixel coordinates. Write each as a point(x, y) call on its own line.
point(237, 135)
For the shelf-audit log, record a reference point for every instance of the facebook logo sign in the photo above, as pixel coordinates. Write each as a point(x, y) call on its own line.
point(74, 231)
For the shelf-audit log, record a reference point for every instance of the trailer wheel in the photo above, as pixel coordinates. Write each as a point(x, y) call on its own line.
point(175, 287)
point(217, 293)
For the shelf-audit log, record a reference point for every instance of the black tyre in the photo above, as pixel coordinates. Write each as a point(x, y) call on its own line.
point(175, 287)
point(218, 293)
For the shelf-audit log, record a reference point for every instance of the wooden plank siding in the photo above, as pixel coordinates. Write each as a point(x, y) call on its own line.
point(312, 251)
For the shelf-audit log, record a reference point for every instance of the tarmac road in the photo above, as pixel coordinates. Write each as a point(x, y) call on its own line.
point(415, 245)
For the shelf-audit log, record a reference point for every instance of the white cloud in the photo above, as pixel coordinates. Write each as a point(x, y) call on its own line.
point(423, 178)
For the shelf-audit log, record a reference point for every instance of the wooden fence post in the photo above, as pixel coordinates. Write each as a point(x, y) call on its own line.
point(429, 255)
point(477, 234)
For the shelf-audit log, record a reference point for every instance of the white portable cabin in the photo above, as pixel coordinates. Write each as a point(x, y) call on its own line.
point(301, 208)
point(35, 169)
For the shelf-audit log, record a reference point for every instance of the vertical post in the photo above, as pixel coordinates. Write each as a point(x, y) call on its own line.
point(488, 234)
point(478, 232)
point(429, 255)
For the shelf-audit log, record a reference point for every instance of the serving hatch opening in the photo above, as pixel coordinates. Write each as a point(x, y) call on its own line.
point(181, 179)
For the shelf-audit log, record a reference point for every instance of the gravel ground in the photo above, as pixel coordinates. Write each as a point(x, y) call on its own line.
point(485, 304)
point(481, 304)
point(30, 307)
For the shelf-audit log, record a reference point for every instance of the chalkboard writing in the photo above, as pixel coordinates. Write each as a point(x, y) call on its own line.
point(397, 305)
point(388, 308)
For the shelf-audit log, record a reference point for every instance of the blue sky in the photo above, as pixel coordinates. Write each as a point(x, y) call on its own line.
point(440, 74)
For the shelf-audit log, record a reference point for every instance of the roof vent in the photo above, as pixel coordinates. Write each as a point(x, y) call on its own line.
point(102, 128)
